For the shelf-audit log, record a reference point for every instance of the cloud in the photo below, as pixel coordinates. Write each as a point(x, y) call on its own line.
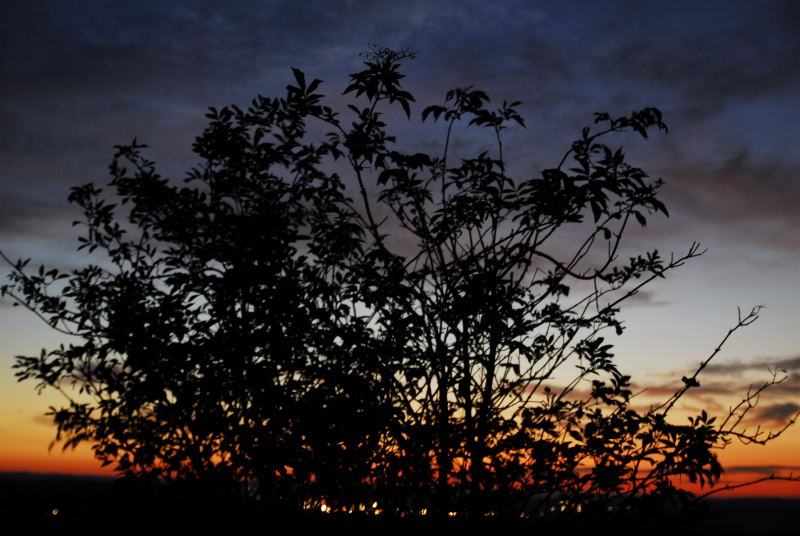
point(24, 214)
point(763, 469)
point(645, 298)
point(724, 382)
point(704, 390)
point(736, 368)
point(45, 420)
point(741, 200)
point(778, 412)
point(722, 387)
point(6, 303)
point(749, 58)
point(725, 379)
point(790, 387)
point(751, 191)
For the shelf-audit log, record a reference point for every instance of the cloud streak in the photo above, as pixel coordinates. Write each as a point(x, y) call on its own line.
point(777, 412)
point(763, 469)
point(736, 368)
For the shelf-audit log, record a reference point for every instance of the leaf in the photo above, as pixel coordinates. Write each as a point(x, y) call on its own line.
point(435, 110)
point(406, 107)
point(300, 77)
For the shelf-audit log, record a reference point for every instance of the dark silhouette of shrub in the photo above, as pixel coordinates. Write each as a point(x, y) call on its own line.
point(255, 332)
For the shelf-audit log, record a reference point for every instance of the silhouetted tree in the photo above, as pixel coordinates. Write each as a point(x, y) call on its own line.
point(254, 330)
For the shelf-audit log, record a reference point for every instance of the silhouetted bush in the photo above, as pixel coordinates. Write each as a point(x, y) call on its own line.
point(255, 332)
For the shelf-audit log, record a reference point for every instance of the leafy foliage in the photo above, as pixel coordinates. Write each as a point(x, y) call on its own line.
point(254, 330)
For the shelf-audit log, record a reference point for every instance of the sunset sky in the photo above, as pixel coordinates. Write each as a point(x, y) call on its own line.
point(79, 77)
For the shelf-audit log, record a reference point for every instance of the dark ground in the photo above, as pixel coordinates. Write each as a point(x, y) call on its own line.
point(57, 501)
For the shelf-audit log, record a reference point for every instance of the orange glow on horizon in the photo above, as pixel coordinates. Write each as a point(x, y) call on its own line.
point(79, 462)
point(769, 488)
point(24, 438)
point(30, 454)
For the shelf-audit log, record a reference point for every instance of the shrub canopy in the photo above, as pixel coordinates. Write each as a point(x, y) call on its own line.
point(401, 333)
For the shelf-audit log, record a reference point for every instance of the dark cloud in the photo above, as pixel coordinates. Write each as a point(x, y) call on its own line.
point(758, 199)
point(716, 380)
point(6, 303)
point(762, 469)
point(722, 386)
point(717, 61)
point(736, 368)
point(778, 412)
point(24, 215)
point(645, 298)
point(706, 388)
point(790, 387)
point(189, 49)
point(149, 48)
point(82, 76)
point(44, 420)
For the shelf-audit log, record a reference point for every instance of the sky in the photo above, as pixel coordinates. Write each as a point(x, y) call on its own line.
point(77, 78)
